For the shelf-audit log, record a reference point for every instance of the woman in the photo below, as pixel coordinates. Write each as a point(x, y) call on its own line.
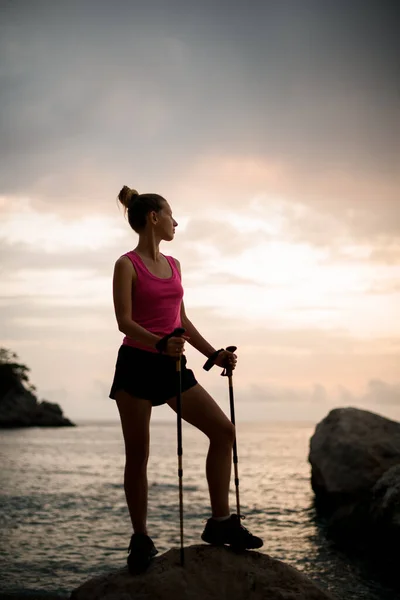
point(148, 305)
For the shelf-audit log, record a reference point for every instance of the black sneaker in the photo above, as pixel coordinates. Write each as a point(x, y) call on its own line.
point(141, 551)
point(231, 532)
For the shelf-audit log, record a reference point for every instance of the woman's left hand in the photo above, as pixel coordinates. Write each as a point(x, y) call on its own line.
point(226, 359)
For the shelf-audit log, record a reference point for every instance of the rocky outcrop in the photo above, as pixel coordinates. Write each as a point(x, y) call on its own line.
point(349, 451)
point(20, 408)
point(355, 460)
point(211, 573)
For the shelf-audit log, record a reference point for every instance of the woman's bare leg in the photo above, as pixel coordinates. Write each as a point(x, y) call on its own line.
point(135, 416)
point(199, 409)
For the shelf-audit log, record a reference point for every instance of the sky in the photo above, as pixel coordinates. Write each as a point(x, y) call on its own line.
point(273, 130)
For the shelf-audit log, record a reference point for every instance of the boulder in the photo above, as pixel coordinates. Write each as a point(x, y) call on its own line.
point(349, 451)
point(212, 573)
point(355, 459)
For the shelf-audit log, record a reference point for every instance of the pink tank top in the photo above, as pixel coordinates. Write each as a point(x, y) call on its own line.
point(156, 302)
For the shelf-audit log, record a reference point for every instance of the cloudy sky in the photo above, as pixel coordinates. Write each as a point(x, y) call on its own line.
point(273, 129)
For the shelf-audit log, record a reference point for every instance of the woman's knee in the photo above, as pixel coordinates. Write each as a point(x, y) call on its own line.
point(223, 433)
point(136, 458)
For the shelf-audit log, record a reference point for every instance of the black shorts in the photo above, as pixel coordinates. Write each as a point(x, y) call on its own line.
point(149, 375)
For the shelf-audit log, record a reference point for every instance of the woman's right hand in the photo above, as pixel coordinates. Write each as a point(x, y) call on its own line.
point(175, 346)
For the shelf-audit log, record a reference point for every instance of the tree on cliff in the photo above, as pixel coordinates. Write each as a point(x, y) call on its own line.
point(12, 371)
point(19, 406)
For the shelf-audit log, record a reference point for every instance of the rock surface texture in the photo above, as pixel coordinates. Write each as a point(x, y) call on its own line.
point(210, 573)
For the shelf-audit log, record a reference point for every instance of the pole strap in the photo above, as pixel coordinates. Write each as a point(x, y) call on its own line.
point(227, 371)
point(211, 360)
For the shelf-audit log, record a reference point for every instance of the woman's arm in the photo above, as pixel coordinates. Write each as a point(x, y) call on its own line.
point(123, 284)
point(195, 338)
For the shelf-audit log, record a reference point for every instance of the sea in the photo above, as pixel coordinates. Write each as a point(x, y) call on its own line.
point(63, 516)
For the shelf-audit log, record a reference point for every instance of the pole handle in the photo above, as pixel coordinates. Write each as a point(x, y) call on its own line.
point(162, 344)
point(177, 332)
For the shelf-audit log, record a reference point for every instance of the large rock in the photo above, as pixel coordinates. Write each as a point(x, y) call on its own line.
point(210, 573)
point(349, 451)
point(355, 459)
point(20, 408)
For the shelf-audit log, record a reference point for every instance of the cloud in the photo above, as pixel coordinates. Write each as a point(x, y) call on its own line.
point(386, 254)
point(327, 208)
point(18, 256)
point(289, 395)
point(218, 232)
point(74, 348)
point(273, 132)
point(378, 393)
point(385, 287)
point(320, 117)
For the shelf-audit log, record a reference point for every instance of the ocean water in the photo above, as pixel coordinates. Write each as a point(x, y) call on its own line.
point(63, 517)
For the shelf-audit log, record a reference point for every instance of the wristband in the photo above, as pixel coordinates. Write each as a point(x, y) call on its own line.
point(211, 361)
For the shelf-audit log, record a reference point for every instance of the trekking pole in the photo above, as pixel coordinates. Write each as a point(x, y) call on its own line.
point(161, 346)
point(178, 332)
point(227, 372)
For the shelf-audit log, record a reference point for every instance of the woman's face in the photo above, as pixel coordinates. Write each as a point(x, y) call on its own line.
point(165, 223)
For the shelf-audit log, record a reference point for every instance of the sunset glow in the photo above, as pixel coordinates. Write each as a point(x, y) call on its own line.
point(279, 155)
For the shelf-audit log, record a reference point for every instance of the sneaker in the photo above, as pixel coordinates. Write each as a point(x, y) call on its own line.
point(141, 551)
point(231, 532)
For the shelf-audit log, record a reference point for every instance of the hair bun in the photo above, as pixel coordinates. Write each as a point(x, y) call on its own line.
point(126, 195)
